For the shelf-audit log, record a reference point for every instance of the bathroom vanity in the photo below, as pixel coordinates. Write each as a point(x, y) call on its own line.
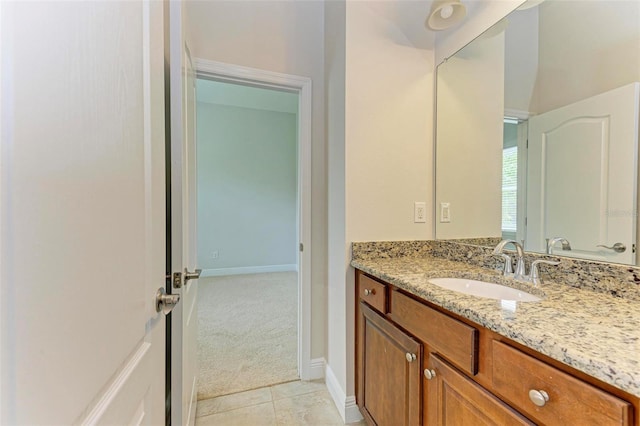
point(431, 356)
point(527, 150)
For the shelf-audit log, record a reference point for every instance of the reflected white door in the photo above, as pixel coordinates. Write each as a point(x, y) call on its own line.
point(82, 212)
point(184, 319)
point(582, 176)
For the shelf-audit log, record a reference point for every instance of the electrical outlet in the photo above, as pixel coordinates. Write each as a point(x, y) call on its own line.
point(215, 254)
point(420, 212)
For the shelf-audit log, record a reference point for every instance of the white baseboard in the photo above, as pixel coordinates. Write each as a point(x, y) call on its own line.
point(347, 407)
point(248, 270)
point(314, 370)
point(352, 412)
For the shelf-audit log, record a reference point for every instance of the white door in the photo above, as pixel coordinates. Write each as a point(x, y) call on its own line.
point(82, 213)
point(184, 319)
point(582, 176)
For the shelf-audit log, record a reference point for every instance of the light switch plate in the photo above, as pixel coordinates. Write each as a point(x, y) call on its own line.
point(420, 212)
point(445, 213)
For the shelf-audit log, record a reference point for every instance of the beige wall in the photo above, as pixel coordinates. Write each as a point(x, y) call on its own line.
point(469, 134)
point(380, 153)
point(521, 63)
point(389, 105)
point(335, 52)
point(551, 63)
point(597, 61)
point(286, 37)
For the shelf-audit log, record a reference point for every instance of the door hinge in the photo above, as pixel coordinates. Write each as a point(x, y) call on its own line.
point(301, 247)
point(633, 248)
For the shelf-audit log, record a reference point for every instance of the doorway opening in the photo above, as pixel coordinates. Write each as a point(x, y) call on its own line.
point(247, 236)
point(253, 146)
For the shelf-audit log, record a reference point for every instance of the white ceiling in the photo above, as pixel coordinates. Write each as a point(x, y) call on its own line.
point(410, 17)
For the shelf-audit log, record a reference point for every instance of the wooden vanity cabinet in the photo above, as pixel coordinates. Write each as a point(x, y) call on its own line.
point(468, 375)
point(389, 361)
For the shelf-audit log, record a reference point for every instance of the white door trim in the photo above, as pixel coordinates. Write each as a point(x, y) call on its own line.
point(302, 85)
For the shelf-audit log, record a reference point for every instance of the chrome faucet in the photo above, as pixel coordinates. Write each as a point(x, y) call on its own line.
point(551, 242)
point(535, 273)
point(507, 269)
point(519, 271)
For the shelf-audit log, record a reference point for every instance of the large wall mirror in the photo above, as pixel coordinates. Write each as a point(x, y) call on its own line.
point(537, 131)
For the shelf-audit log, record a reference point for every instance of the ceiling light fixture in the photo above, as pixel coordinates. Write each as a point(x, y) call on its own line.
point(445, 14)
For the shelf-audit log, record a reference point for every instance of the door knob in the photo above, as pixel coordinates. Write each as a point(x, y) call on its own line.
point(617, 247)
point(410, 357)
point(191, 275)
point(165, 302)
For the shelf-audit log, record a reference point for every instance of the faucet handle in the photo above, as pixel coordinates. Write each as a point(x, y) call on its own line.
point(535, 273)
point(508, 266)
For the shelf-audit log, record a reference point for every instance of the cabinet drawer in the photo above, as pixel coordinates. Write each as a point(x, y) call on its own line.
point(373, 293)
point(570, 400)
point(453, 339)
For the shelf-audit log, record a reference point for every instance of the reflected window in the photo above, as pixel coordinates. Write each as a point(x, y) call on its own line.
point(510, 179)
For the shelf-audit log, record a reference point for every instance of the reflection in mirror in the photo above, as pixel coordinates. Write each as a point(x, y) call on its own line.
point(537, 131)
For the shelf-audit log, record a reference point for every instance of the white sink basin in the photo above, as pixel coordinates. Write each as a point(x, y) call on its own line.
point(484, 289)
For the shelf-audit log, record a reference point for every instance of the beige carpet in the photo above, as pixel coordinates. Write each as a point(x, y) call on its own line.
point(247, 332)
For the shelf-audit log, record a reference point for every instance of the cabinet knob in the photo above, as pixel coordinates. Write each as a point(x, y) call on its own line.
point(538, 397)
point(410, 357)
point(429, 374)
point(367, 292)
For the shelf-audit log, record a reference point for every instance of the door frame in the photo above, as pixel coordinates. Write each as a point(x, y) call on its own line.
point(308, 369)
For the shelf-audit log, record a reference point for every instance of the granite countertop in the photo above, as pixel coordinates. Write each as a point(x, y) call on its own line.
point(593, 332)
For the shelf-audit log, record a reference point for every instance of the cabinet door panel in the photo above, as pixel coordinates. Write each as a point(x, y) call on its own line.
point(456, 400)
point(390, 381)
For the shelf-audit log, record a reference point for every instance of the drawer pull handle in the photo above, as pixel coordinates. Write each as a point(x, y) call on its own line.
point(538, 397)
point(410, 357)
point(429, 374)
point(368, 292)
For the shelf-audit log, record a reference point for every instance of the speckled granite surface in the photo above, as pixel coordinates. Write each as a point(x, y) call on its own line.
point(591, 331)
point(390, 249)
point(487, 242)
point(613, 279)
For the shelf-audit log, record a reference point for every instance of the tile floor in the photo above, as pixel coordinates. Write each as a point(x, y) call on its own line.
point(293, 403)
